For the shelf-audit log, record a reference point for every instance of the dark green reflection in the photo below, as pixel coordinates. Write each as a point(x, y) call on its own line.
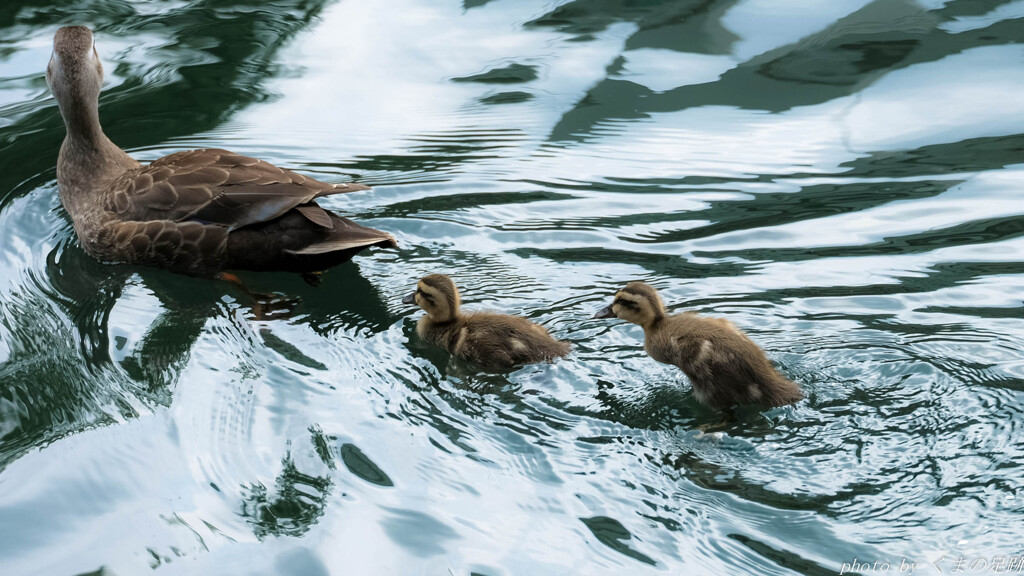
point(514, 97)
point(614, 535)
point(295, 505)
point(784, 558)
point(683, 25)
point(838, 61)
point(971, 155)
point(360, 464)
point(512, 74)
point(60, 347)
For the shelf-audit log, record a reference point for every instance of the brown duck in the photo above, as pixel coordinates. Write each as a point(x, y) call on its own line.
point(195, 212)
point(723, 364)
point(495, 342)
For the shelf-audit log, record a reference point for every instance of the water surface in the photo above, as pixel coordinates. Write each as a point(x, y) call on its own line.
point(843, 181)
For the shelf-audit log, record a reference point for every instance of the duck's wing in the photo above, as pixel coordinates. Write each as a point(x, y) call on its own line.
point(219, 187)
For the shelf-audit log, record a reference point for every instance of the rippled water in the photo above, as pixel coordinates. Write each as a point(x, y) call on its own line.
point(842, 180)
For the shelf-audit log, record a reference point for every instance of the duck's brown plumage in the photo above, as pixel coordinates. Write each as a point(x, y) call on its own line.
point(495, 342)
point(196, 212)
point(724, 366)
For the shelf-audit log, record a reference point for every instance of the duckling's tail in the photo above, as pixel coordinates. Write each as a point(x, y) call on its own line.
point(783, 391)
point(557, 349)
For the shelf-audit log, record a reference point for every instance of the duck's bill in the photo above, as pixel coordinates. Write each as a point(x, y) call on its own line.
point(410, 299)
point(605, 312)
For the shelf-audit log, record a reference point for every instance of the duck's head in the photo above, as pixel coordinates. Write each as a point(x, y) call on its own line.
point(637, 303)
point(74, 73)
point(438, 296)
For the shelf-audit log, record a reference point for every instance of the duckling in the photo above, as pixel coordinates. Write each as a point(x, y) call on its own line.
point(723, 364)
point(495, 342)
point(196, 212)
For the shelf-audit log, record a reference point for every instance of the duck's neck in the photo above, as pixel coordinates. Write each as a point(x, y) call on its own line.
point(88, 160)
point(82, 119)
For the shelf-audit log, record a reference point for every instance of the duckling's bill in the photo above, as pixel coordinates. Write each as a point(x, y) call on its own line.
point(410, 299)
point(605, 312)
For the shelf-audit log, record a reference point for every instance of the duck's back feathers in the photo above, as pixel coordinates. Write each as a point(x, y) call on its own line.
point(202, 211)
point(217, 187)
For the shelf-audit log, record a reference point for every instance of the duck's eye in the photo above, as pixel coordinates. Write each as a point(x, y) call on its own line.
point(627, 303)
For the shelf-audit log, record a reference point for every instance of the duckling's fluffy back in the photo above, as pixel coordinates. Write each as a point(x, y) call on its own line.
point(495, 342)
point(723, 364)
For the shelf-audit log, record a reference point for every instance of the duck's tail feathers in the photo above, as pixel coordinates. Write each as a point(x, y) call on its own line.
point(317, 215)
point(384, 240)
point(343, 189)
point(347, 235)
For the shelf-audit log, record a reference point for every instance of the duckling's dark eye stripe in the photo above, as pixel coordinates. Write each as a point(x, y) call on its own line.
point(426, 296)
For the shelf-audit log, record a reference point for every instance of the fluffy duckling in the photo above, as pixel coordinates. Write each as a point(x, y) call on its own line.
point(723, 364)
point(495, 342)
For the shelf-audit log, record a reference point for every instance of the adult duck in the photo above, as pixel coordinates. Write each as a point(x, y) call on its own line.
point(725, 367)
point(196, 212)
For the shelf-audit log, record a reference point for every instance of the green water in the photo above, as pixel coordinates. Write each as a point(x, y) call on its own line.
point(841, 179)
